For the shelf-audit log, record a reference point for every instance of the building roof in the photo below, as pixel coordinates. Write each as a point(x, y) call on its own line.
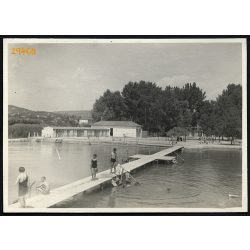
point(116, 124)
point(76, 128)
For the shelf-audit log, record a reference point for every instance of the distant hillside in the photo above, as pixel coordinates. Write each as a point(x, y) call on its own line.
point(21, 115)
point(83, 114)
point(22, 121)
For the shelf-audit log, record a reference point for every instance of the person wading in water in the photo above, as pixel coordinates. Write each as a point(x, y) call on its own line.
point(23, 186)
point(113, 160)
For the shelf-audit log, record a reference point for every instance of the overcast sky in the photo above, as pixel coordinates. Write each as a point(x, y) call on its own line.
point(73, 76)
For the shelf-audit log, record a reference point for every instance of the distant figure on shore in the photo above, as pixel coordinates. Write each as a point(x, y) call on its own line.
point(43, 187)
point(94, 168)
point(113, 161)
point(23, 186)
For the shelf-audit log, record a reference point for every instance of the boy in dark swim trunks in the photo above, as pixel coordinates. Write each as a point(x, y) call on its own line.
point(23, 186)
point(94, 168)
point(113, 160)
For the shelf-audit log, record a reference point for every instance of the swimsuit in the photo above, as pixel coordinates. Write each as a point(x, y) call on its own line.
point(23, 187)
point(94, 163)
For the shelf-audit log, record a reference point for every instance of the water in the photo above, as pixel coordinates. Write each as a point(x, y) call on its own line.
point(205, 179)
point(61, 163)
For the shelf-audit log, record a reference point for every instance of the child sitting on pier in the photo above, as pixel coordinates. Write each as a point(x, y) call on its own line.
point(43, 188)
point(94, 168)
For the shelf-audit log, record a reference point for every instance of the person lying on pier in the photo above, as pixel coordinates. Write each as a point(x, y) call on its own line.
point(23, 186)
point(43, 187)
point(94, 168)
point(113, 161)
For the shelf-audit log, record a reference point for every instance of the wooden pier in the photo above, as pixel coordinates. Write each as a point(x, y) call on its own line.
point(86, 184)
point(162, 158)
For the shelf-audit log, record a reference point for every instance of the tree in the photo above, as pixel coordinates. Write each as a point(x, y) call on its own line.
point(177, 131)
point(143, 104)
point(110, 106)
point(208, 121)
point(194, 95)
point(195, 98)
point(229, 111)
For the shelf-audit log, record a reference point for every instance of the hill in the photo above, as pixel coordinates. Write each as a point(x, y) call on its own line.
point(22, 121)
point(82, 114)
point(26, 116)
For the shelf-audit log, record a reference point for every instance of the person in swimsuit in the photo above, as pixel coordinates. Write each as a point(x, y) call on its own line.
point(113, 161)
point(43, 187)
point(23, 186)
point(94, 168)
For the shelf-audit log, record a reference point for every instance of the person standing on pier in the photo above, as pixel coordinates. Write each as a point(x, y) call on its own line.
point(23, 186)
point(113, 161)
point(94, 168)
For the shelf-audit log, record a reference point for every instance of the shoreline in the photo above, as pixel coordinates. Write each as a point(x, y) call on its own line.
point(188, 145)
point(149, 142)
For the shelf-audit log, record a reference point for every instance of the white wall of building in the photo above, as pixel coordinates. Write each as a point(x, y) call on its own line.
point(83, 122)
point(48, 132)
point(117, 132)
point(121, 132)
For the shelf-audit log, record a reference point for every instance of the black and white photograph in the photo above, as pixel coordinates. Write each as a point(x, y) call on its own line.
point(125, 125)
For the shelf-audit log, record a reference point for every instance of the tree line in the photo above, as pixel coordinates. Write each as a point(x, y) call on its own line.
point(161, 110)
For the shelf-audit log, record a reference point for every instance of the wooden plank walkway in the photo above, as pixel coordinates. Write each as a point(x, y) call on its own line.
point(155, 144)
point(68, 191)
point(162, 158)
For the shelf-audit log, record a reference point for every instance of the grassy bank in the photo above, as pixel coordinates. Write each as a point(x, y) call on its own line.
point(22, 130)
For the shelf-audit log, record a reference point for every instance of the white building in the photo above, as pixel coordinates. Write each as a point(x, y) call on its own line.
point(120, 128)
point(98, 129)
point(55, 132)
point(48, 132)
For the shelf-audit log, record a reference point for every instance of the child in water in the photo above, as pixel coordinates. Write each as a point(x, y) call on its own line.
point(94, 168)
point(23, 186)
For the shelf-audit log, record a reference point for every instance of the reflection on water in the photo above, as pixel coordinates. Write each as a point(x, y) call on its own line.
point(205, 179)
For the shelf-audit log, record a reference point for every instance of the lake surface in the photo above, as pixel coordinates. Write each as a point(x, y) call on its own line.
point(205, 179)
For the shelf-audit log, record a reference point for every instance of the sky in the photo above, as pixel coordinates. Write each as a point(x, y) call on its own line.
point(73, 76)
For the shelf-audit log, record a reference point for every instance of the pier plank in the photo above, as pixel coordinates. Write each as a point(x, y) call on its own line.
point(163, 158)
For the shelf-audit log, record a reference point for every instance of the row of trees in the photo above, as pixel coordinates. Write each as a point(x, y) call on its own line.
point(160, 110)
